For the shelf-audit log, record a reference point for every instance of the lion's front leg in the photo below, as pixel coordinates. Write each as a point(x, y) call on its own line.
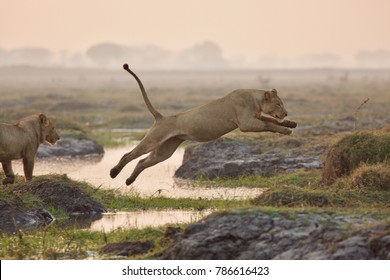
point(277, 128)
point(9, 173)
point(255, 125)
point(28, 167)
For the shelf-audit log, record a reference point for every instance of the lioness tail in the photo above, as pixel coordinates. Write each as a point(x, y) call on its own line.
point(154, 112)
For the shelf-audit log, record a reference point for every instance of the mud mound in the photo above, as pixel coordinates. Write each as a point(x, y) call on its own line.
point(61, 193)
point(14, 217)
point(67, 197)
point(351, 151)
point(375, 177)
point(257, 235)
point(23, 206)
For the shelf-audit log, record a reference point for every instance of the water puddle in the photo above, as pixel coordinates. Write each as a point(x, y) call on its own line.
point(154, 181)
point(142, 219)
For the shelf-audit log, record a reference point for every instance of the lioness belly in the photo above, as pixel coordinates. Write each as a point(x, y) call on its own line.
point(9, 155)
point(203, 132)
point(12, 142)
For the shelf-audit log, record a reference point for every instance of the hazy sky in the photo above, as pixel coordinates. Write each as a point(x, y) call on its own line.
point(251, 28)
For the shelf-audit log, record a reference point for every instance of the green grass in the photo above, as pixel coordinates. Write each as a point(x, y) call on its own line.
point(59, 243)
point(299, 189)
point(303, 189)
point(299, 179)
point(134, 203)
point(110, 199)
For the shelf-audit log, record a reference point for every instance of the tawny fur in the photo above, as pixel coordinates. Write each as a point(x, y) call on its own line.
point(240, 109)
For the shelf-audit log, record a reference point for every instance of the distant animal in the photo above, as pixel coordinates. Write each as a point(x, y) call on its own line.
point(21, 141)
point(241, 109)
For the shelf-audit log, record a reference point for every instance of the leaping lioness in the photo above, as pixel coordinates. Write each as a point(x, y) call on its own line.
point(250, 110)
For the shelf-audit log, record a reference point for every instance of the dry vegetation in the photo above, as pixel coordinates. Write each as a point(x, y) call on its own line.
point(102, 100)
point(353, 150)
point(107, 106)
point(371, 177)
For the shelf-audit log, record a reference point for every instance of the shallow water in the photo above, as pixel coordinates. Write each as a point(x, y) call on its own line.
point(154, 181)
point(141, 219)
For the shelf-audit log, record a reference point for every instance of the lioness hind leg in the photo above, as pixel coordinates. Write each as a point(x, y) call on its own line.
point(9, 173)
point(152, 140)
point(161, 153)
point(126, 158)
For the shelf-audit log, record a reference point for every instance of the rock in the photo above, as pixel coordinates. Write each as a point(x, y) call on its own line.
point(14, 217)
point(127, 248)
point(228, 158)
point(256, 235)
point(70, 146)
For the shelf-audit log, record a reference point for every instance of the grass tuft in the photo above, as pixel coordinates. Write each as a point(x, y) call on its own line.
point(371, 177)
point(353, 150)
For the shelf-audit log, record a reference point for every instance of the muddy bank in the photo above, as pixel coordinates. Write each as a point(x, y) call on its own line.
point(55, 192)
point(71, 146)
point(300, 235)
point(14, 217)
point(229, 158)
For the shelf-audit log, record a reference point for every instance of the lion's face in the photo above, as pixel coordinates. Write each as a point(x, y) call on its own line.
point(48, 130)
point(273, 105)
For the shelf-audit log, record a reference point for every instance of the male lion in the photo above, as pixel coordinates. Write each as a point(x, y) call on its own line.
point(241, 109)
point(21, 141)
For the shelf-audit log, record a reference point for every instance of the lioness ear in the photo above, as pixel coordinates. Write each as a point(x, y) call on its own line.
point(267, 96)
point(43, 119)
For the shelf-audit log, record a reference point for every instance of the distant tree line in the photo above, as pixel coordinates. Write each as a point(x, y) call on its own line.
point(205, 55)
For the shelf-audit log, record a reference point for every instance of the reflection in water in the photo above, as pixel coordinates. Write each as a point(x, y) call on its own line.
point(80, 221)
point(142, 219)
point(156, 180)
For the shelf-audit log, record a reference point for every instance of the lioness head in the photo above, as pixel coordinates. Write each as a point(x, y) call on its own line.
point(48, 130)
point(273, 105)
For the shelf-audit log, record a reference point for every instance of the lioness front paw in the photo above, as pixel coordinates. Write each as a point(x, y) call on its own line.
point(114, 172)
point(288, 123)
point(8, 180)
point(129, 181)
point(286, 131)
